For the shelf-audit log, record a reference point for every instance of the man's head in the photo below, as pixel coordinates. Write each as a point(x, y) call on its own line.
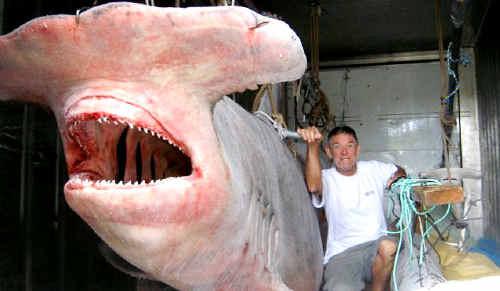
point(343, 148)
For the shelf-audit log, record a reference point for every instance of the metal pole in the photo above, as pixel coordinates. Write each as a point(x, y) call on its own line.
point(25, 200)
point(1, 15)
point(60, 216)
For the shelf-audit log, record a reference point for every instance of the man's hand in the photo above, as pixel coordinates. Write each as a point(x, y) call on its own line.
point(400, 173)
point(311, 135)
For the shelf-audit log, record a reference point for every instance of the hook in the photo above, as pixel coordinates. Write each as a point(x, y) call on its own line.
point(78, 12)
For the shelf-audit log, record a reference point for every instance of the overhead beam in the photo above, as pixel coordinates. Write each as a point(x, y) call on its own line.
point(368, 60)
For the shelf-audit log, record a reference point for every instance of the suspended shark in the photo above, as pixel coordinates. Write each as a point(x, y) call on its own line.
point(178, 180)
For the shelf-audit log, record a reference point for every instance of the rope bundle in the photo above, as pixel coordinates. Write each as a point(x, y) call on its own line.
point(403, 189)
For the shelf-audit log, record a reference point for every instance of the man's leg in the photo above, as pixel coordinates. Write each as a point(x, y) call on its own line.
point(344, 271)
point(382, 265)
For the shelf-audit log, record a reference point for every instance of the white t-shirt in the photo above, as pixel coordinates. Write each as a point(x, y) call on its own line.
point(354, 205)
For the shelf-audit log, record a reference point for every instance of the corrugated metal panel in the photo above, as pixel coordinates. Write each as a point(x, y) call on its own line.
point(488, 74)
point(488, 88)
point(469, 136)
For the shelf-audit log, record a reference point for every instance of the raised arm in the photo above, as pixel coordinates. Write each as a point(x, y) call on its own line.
point(312, 137)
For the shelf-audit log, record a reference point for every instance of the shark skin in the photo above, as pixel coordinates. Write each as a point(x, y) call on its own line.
point(179, 181)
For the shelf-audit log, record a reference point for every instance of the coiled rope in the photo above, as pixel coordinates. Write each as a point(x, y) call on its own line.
point(403, 189)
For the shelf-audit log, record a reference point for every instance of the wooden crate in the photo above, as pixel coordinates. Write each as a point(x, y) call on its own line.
point(438, 195)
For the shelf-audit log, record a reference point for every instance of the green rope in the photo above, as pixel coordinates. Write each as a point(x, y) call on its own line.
point(403, 189)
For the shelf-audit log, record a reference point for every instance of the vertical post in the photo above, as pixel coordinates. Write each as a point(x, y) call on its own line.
point(60, 216)
point(1, 16)
point(26, 191)
point(470, 144)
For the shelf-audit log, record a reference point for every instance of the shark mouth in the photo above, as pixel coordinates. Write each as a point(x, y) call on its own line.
point(128, 167)
point(108, 150)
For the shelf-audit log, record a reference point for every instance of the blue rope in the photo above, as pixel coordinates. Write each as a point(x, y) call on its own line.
point(449, 60)
point(403, 188)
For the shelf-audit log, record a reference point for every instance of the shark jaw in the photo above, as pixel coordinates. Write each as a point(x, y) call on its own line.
point(133, 170)
point(113, 151)
point(146, 183)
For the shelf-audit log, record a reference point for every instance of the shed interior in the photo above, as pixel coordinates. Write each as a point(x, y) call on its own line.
point(380, 66)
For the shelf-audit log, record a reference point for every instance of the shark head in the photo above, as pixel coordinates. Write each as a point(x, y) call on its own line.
point(132, 88)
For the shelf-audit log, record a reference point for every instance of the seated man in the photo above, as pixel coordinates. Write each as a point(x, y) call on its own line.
point(357, 250)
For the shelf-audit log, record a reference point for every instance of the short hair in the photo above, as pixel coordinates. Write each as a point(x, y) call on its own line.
point(343, 129)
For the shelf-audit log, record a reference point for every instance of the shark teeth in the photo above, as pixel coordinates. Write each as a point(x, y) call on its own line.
point(104, 183)
point(117, 122)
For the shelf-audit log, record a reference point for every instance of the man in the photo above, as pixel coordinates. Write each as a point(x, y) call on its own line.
point(358, 250)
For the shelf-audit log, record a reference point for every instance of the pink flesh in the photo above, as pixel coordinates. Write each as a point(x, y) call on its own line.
point(204, 52)
point(156, 68)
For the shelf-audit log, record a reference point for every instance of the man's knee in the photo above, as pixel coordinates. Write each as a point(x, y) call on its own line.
point(386, 249)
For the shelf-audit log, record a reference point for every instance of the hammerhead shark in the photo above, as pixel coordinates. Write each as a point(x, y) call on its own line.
point(178, 180)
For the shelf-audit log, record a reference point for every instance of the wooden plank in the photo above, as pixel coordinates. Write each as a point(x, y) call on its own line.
point(438, 195)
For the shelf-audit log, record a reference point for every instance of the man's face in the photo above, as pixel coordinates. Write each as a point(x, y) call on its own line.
point(344, 151)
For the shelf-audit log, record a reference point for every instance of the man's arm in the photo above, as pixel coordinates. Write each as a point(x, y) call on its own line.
point(312, 137)
point(399, 173)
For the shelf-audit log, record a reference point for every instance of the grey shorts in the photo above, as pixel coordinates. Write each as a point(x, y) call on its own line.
point(351, 269)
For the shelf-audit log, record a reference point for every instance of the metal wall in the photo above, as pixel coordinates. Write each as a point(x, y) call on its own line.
point(469, 136)
point(395, 110)
point(488, 87)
